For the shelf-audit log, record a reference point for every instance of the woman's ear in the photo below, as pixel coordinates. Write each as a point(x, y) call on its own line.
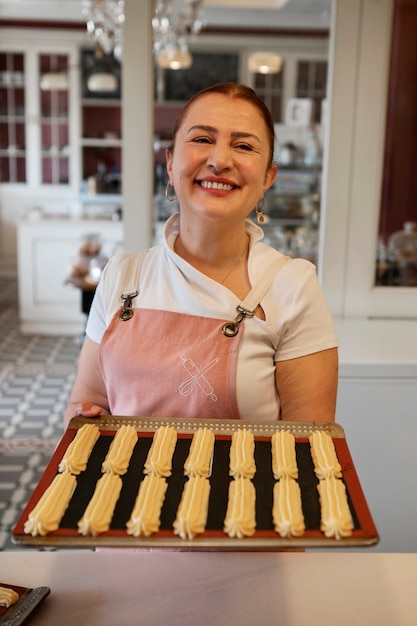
point(270, 176)
point(168, 159)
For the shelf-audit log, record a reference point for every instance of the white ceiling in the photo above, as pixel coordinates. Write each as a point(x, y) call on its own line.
point(314, 14)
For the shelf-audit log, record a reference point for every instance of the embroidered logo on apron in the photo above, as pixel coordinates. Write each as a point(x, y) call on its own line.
point(197, 378)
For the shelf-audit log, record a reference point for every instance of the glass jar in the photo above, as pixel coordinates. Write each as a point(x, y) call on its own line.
point(402, 249)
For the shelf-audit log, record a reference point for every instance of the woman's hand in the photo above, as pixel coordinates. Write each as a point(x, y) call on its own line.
point(88, 409)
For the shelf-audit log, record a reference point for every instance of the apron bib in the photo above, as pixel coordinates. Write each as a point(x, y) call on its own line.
point(165, 364)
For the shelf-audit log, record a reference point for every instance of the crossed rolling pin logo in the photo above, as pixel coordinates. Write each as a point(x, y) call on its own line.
point(197, 378)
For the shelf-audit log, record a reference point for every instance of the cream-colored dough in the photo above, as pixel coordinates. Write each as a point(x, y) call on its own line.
point(324, 456)
point(50, 509)
point(145, 517)
point(100, 509)
point(159, 459)
point(121, 448)
point(242, 461)
point(284, 461)
point(287, 512)
point(336, 518)
point(198, 462)
point(240, 518)
point(8, 596)
point(78, 452)
point(192, 512)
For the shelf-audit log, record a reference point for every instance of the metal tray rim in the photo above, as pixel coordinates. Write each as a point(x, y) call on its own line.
point(219, 427)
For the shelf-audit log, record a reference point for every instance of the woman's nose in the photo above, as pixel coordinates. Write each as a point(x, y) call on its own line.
point(220, 157)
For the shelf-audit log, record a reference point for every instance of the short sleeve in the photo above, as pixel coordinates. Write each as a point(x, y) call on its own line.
point(107, 299)
point(308, 325)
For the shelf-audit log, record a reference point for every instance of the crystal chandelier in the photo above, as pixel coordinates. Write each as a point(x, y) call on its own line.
point(172, 22)
point(104, 19)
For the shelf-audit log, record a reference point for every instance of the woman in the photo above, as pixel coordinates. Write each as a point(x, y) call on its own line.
point(200, 343)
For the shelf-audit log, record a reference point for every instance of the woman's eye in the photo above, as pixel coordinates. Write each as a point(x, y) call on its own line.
point(201, 140)
point(244, 146)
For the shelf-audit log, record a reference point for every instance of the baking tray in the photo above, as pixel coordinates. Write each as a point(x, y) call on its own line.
point(265, 538)
point(29, 599)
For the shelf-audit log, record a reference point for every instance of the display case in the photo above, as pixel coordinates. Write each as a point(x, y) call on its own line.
point(292, 211)
point(101, 123)
point(101, 145)
point(12, 118)
point(54, 119)
point(35, 137)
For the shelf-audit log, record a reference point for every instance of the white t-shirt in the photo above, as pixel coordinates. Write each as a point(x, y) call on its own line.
point(297, 319)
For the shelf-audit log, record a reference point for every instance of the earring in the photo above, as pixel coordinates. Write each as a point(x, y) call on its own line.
point(260, 207)
point(170, 196)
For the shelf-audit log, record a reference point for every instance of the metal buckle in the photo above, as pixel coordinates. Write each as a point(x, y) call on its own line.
point(231, 329)
point(127, 312)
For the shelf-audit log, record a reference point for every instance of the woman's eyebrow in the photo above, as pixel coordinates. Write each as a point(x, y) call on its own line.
point(244, 134)
point(235, 134)
point(209, 129)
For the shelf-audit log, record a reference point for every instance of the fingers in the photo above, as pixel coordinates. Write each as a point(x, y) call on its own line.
point(87, 409)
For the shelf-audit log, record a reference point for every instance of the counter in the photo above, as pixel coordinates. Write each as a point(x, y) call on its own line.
point(291, 589)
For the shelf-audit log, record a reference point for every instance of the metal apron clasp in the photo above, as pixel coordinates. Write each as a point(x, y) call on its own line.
point(127, 312)
point(231, 329)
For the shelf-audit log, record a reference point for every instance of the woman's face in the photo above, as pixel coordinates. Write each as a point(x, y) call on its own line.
point(219, 164)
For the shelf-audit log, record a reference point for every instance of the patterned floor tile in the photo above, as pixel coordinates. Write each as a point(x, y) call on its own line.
point(36, 377)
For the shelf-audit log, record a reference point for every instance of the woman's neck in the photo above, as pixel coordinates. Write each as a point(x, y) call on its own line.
point(217, 255)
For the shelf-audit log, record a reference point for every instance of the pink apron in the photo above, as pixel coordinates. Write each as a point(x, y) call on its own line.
point(163, 364)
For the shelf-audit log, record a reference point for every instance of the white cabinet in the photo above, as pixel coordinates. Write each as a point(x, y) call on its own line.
point(39, 130)
point(45, 251)
point(380, 422)
point(376, 406)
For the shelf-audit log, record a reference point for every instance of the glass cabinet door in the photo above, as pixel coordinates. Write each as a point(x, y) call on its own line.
point(312, 83)
point(54, 119)
point(396, 262)
point(12, 118)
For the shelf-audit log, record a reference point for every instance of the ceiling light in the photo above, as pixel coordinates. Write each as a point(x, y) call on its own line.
point(102, 82)
point(51, 81)
point(264, 63)
point(174, 59)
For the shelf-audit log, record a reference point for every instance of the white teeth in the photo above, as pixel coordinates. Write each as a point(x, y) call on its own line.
point(213, 185)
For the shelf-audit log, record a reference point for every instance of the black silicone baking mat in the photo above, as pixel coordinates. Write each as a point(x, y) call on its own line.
point(265, 538)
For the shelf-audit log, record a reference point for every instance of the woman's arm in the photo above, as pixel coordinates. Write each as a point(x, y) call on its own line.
point(307, 387)
point(88, 396)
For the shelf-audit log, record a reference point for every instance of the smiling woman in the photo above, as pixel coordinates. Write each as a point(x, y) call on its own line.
point(211, 275)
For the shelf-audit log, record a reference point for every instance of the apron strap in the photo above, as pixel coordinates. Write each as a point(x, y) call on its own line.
point(134, 267)
point(245, 309)
point(248, 306)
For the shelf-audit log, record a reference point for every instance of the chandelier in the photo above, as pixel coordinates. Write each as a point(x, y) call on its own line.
point(105, 19)
point(173, 21)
